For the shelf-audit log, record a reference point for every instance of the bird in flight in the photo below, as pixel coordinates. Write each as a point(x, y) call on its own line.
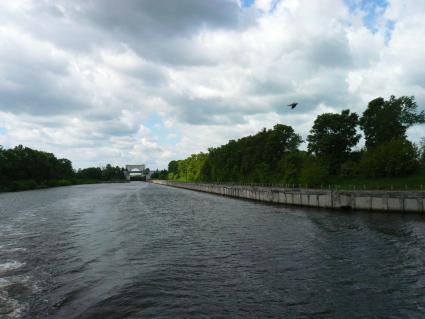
point(293, 105)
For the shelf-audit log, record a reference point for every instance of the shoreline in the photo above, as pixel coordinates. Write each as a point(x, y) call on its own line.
point(29, 186)
point(371, 200)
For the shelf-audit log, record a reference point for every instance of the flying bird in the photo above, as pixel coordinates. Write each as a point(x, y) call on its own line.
point(293, 105)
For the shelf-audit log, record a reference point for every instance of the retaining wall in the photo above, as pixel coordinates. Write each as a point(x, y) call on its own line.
point(405, 201)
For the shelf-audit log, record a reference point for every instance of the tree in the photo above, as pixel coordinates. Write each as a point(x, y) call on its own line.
point(290, 167)
point(108, 173)
point(332, 137)
point(255, 158)
point(384, 121)
point(64, 168)
point(314, 172)
point(421, 150)
point(94, 173)
point(157, 174)
point(173, 167)
point(397, 157)
point(284, 138)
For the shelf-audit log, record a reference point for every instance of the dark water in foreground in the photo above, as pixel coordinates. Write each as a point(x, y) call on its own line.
point(145, 251)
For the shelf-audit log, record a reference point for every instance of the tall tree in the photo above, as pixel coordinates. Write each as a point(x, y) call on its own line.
point(397, 157)
point(254, 158)
point(384, 121)
point(422, 151)
point(332, 137)
point(173, 167)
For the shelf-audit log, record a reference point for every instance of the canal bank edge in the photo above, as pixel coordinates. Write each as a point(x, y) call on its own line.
point(398, 201)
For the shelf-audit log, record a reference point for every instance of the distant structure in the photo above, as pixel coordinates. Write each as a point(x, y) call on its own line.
point(134, 171)
point(149, 175)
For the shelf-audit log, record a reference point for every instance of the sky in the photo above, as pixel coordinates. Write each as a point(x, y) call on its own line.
point(149, 81)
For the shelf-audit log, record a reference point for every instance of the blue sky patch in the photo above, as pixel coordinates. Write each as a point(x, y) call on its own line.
point(159, 131)
point(247, 3)
point(373, 8)
point(389, 29)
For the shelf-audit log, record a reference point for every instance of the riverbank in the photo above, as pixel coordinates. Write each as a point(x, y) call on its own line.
point(23, 185)
point(399, 201)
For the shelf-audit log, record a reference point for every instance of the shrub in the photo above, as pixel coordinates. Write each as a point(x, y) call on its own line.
point(422, 152)
point(349, 169)
point(395, 158)
point(63, 182)
point(314, 172)
point(21, 185)
point(290, 166)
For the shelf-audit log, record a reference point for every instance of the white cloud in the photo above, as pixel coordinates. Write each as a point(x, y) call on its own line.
point(148, 83)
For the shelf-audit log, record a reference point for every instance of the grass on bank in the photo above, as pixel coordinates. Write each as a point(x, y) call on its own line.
point(415, 181)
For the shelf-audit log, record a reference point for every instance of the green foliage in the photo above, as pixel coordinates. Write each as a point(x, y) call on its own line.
point(272, 156)
point(314, 172)
point(22, 185)
point(397, 157)
point(410, 181)
point(22, 163)
point(290, 167)
point(159, 174)
point(254, 158)
point(173, 167)
point(258, 158)
point(384, 121)
point(23, 168)
point(90, 173)
point(349, 169)
point(189, 169)
point(107, 173)
point(421, 150)
point(332, 137)
point(111, 173)
point(62, 182)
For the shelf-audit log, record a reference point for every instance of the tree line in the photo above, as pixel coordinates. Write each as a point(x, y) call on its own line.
point(25, 168)
point(273, 155)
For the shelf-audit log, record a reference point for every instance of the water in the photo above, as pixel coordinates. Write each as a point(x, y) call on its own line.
point(145, 251)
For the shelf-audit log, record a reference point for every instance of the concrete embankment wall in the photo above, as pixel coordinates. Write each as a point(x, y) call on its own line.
point(404, 201)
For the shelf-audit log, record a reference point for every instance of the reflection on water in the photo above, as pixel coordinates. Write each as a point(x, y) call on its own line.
point(141, 250)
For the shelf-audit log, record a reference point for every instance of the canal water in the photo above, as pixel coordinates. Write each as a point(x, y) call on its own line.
point(139, 250)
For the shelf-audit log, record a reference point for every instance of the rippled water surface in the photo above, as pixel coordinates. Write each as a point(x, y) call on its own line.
point(145, 251)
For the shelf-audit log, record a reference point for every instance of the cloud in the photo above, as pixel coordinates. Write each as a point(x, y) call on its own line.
point(150, 81)
point(160, 31)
